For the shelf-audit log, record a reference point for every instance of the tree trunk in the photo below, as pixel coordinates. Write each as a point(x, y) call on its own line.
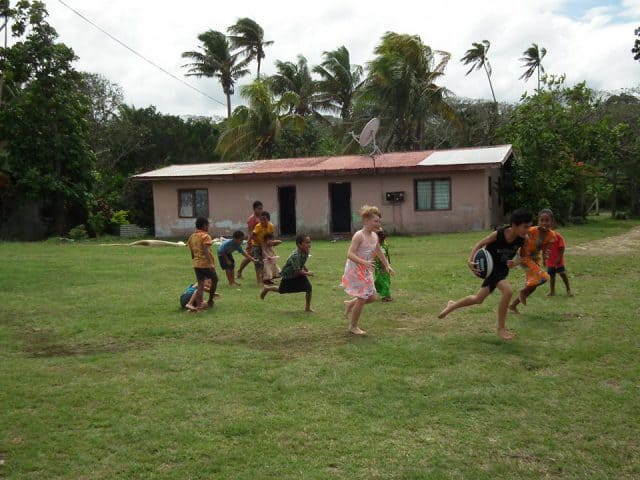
point(228, 105)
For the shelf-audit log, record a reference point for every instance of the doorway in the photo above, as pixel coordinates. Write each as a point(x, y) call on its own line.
point(287, 202)
point(340, 203)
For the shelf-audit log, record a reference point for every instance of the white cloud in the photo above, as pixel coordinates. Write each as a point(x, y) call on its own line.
point(595, 47)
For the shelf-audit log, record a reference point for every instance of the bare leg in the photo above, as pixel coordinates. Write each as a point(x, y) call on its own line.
point(565, 279)
point(506, 290)
point(476, 299)
point(231, 278)
point(552, 285)
point(259, 279)
point(243, 265)
point(357, 311)
point(348, 306)
point(307, 302)
point(268, 288)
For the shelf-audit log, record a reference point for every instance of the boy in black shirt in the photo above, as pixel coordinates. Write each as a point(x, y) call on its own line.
point(502, 244)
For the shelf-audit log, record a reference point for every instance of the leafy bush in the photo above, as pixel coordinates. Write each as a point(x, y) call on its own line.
point(78, 233)
point(97, 223)
point(119, 218)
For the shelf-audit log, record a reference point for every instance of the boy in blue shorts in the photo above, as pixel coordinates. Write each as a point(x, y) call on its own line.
point(225, 256)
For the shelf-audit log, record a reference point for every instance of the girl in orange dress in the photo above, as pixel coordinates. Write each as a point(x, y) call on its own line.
point(538, 241)
point(358, 281)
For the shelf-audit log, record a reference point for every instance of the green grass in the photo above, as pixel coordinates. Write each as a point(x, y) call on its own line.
point(102, 376)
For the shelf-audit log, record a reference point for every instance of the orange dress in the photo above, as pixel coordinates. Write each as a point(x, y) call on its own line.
point(537, 241)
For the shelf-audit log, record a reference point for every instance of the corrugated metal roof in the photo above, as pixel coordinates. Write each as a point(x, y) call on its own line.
point(467, 158)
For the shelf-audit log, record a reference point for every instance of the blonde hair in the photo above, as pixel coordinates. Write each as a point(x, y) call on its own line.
point(368, 211)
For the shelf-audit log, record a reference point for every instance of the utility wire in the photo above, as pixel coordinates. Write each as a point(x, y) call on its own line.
point(140, 55)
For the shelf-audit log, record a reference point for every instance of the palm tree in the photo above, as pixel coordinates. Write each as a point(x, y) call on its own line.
point(339, 81)
point(477, 57)
point(254, 130)
point(296, 78)
point(533, 61)
point(216, 60)
point(248, 36)
point(401, 89)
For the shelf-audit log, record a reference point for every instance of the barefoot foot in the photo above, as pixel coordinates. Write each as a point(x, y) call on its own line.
point(357, 331)
point(263, 293)
point(505, 334)
point(551, 294)
point(514, 309)
point(447, 309)
point(310, 310)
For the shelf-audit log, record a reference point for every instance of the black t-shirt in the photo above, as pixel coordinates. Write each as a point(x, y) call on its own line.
point(503, 251)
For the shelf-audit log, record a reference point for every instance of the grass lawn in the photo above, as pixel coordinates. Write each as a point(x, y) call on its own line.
point(102, 376)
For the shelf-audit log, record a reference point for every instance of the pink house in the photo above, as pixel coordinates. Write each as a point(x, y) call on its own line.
point(418, 192)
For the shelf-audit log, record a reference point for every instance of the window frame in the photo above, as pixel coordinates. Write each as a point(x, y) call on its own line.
point(433, 190)
point(193, 193)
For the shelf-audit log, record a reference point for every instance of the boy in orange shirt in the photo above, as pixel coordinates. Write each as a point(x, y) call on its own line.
point(202, 261)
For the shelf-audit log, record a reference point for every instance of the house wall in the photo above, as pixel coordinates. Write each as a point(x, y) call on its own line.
point(472, 208)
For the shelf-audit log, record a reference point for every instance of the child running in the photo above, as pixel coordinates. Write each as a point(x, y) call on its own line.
point(383, 278)
point(502, 245)
point(252, 221)
point(358, 272)
point(202, 261)
point(295, 273)
point(538, 240)
point(265, 227)
point(225, 256)
point(555, 264)
point(270, 259)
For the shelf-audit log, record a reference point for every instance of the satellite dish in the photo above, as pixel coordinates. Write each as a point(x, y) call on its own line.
point(368, 135)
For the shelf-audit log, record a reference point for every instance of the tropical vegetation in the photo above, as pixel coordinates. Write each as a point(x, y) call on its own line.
point(69, 144)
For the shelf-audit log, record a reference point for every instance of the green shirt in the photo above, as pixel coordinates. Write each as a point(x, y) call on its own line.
point(295, 262)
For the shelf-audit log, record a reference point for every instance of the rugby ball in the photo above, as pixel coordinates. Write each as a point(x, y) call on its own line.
point(483, 262)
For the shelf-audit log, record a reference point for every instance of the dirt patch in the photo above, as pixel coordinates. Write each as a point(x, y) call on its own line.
point(45, 343)
point(625, 244)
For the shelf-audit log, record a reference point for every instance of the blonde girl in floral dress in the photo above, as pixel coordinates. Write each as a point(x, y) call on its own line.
point(358, 278)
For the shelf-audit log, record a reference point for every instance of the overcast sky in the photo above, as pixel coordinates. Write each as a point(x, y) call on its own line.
point(585, 39)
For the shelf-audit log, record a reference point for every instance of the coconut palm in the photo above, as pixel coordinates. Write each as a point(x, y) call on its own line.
point(248, 36)
point(339, 81)
point(477, 57)
point(216, 60)
point(532, 58)
point(254, 129)
point(401, 89)
point(296, 78)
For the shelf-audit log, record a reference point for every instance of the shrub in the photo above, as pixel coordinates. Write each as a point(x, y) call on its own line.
point(78, 233)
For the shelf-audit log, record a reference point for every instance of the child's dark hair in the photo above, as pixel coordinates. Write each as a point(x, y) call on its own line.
point(301, 237)
point(520, 216)
point(238, 234)
point(201, 223)
point(381, 235)
point(546, 211)
point(266, 214)
point(257, 204)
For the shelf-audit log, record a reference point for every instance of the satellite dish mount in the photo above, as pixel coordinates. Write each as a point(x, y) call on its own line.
point(368, 135)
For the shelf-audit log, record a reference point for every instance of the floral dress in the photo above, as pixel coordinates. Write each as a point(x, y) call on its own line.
point(358, 280)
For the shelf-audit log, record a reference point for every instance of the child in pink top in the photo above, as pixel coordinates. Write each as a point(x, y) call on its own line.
point(358, 281)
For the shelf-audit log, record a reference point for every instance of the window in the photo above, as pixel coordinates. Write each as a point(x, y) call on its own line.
point(193, 203)
point(433, 194)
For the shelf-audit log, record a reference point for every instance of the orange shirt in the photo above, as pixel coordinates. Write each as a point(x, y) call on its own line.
point(536, 242)
point(199, 242)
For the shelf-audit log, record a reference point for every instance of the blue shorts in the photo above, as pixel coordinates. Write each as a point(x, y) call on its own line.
point(554, 270)
point(224, 262)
